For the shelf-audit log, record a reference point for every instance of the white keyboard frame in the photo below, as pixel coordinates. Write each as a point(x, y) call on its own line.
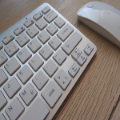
point(65, 66)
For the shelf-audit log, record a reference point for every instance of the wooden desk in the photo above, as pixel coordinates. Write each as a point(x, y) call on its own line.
point(96, 94)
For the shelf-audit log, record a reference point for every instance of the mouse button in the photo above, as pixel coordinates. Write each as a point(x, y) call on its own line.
point(111, 22)
point(90, 14)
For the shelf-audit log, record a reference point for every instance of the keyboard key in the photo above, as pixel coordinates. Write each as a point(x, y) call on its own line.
point(52, 29)
point(51, 93)
point(54, 42)
point(32, 31)
point(19, 30)
point(43, 36)
point(46, 52)
point(36, 62)
point(34, 45)
point(38, 15)
point(8, 38)
point(50, 68)
point(22, 39)
point(76, 53)
point(12, 87)
point(15, 109)
point(41, 24)
point(12, 66)
point(11, 49)
point(82, 59)
point(40, 80)
point(3, 58)
point(3, 101)
point(1, 46)
point(37, 111)
point(2, 117)
point(28, 94)
point(3, 77)
point(74, 69)
point(59, 57)
point(28, 22)
point(71, 43)
point(88, 49)
point(65, 32)
point(24, 55)
point(46, 9)
point(25, 74)
point(59, 22)
point(50, 16)
point(62, 79)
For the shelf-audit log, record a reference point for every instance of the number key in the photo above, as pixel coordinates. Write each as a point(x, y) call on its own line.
point(11, 49)
point(32, 31)
point(22, 39)
point(52, 29)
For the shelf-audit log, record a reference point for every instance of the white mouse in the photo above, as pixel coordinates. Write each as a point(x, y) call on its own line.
point(103, 19)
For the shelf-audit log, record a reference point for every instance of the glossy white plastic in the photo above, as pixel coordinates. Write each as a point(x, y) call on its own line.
point(103, 19)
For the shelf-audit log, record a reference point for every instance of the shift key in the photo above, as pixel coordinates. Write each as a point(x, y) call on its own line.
point(71, 42)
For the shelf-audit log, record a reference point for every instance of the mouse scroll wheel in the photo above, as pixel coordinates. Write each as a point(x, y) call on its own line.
point(90, 6)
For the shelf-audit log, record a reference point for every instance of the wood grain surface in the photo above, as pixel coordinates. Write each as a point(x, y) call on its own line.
point(97, 93)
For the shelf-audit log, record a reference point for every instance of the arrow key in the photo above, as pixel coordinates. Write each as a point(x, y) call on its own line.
point(62, 79)
point(82, 59)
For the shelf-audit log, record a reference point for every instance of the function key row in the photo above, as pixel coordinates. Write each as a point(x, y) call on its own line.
point(38, 15)
point(19, 30)
point(28, 22)
point(22, 39)
point(51, 15)
point(8, 38)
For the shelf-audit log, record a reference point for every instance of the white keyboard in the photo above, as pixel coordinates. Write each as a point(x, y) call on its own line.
point(42, 56)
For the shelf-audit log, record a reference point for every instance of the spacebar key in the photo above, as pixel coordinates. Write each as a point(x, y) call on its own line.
point(37, 111)
point(72, 42)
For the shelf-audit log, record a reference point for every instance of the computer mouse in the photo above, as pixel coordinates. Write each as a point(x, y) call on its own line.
point(102, 18)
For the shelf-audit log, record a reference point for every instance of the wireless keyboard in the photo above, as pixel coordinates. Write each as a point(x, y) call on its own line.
point(42, 56)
